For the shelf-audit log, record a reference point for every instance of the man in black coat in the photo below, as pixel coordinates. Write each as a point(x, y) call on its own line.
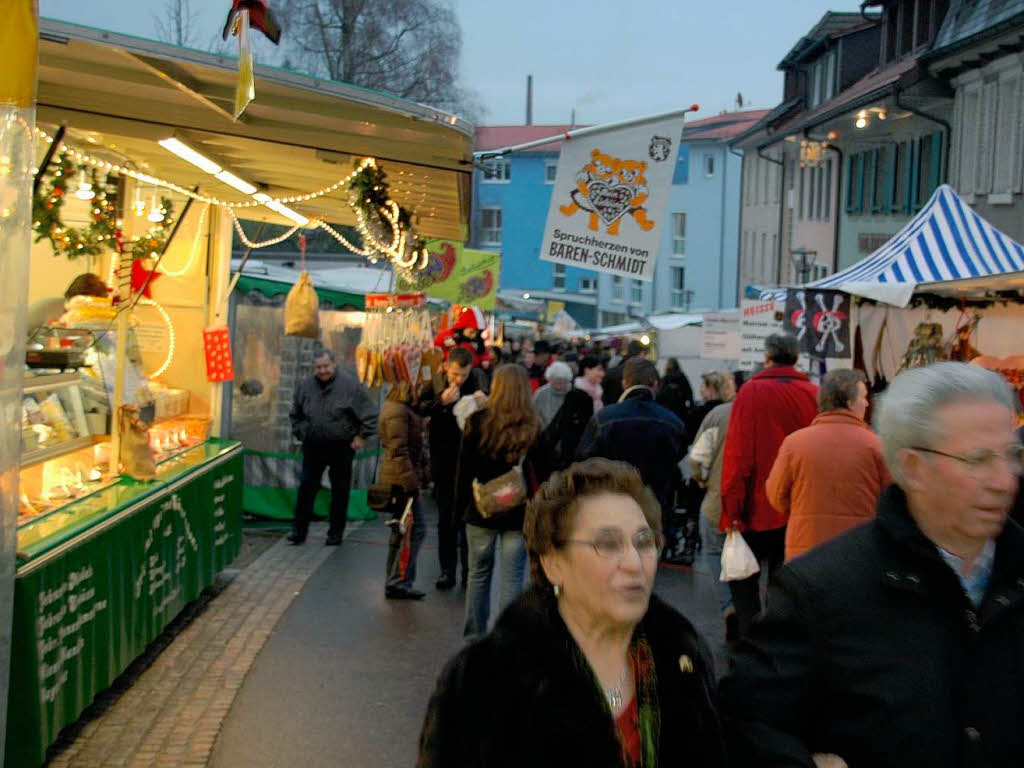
point(438, 402)
point(901, 643)
point(640, 432)
point(332, 416)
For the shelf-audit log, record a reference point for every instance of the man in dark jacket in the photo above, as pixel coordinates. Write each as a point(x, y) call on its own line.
point(639, 431)
point(900, 642)
point(613, 384)
point(332, 415)
point(438, 402)
point(775, 402)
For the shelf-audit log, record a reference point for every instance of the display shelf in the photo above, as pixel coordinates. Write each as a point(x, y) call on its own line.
point(46, 532)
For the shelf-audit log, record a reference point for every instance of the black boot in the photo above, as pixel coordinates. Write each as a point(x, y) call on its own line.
point(447, 580)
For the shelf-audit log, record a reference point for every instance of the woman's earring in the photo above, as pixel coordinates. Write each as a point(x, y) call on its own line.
point(557, 589)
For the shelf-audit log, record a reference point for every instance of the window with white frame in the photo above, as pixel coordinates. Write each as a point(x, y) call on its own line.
point(709, 165)
point(497, 171)
point(636, 292)
point(678, 234)
point(490, 226)
point(550, 171)
point(558, 277)
point(679, 287)
point(618, 288)
point(588, 285)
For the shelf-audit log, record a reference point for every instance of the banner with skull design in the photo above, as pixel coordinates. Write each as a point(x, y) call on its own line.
point(820, 320)
point(610, 198)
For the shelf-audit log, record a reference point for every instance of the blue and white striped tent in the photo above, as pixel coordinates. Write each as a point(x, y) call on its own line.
point(945, 241)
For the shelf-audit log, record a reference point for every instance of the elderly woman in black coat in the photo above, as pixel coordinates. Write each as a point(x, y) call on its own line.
point(587, 667)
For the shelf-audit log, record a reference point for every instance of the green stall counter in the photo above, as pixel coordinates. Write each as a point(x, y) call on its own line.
point(100, 579)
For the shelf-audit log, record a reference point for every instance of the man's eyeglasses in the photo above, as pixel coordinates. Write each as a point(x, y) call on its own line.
point(613, 546)
point(981, 461)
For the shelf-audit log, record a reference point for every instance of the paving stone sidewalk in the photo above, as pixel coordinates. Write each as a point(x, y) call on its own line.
point(172, 713)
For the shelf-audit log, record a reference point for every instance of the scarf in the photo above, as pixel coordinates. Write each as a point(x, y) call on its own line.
point(641, 659)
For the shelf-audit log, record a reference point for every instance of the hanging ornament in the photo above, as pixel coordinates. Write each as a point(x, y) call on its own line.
point(84, 191)
point(156, 212)
point(141, 277)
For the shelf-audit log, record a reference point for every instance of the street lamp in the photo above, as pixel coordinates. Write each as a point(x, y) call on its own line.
point(802, 264)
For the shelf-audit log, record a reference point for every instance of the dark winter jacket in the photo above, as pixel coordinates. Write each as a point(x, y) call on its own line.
point(870, 649)
point(323, 416)
point(612, 383)
point(642, 433)
point(401, 442)
point(516, 698)
point(444, 432)
point(562, 436)
point(774, 403)
point(697, 415)
point(676, 394)
point(475, 462)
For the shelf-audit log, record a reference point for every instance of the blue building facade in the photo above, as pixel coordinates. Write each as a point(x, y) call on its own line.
point(697, 263)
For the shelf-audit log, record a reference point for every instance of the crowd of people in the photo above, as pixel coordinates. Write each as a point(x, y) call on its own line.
point(894, 614)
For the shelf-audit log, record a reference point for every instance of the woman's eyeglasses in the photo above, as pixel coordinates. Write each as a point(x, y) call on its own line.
point(613, 546)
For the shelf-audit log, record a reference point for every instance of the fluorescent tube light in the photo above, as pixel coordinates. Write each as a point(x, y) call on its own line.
point(233, 181)
point(185, 152)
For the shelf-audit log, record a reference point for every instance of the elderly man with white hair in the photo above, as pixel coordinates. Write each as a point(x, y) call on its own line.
point(901, 643)
point(549, 398)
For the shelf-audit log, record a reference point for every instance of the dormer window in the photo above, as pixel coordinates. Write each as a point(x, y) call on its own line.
point(821, 80)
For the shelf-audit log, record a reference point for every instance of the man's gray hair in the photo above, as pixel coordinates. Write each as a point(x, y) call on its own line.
point(905, 415)
point(782, 349)
point(323, 352)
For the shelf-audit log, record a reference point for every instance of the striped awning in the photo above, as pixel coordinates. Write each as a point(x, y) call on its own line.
point(945, 241)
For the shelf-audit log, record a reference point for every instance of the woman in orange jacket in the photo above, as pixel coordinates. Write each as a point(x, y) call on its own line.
point(828, 476)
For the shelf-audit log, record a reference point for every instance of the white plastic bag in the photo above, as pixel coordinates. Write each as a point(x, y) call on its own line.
point(465, 408)
point(738, 561)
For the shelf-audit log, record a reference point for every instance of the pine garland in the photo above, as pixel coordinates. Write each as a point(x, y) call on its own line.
point(370, 192)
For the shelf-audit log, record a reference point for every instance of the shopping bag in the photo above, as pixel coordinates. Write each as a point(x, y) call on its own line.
point(738, 561)
point(301, 308)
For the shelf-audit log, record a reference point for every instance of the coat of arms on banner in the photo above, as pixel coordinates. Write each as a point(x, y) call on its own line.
point(660, 149)
point(820, 320)
point(610, 189)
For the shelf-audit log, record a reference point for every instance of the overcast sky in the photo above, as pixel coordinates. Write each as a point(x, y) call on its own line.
point(609, 59)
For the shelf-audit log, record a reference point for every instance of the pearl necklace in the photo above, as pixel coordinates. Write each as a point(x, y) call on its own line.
point(614, 695)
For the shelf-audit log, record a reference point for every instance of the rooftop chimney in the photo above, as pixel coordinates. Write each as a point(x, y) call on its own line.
point(529, 99)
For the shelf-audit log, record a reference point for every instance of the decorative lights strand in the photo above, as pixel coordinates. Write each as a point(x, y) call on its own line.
point(171, 340)
point(195, 248)
point(266, 243)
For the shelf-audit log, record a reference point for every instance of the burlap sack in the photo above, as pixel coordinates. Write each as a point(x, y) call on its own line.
point(301, 308)
point(136, 457)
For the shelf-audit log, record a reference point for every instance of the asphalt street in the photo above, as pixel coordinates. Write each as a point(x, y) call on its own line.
point(345, 677)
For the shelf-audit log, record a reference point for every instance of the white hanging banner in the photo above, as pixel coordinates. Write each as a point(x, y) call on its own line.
point(610, 198)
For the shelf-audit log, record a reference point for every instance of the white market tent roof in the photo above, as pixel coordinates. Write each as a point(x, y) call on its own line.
point(119, 95)
point(945, 244)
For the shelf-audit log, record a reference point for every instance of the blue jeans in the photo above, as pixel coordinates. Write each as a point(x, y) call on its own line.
point(482, 544)
point(713, 540)
point(397, 576)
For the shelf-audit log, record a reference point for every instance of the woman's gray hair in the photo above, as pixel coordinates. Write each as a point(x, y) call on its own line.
point(717, 382)
point(905, 415)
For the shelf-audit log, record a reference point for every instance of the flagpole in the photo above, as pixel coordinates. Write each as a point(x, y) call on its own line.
point(568, 135)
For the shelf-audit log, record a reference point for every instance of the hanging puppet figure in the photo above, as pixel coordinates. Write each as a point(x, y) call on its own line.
point(466, 332)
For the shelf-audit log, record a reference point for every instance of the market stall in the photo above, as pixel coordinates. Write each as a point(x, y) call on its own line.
point(946, 286)
point(130, 500)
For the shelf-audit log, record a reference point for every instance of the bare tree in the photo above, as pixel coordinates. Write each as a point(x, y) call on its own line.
point(176, 23)
point(409, 48)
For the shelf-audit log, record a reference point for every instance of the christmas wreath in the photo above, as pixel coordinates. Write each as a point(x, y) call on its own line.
point(104, 230)
point(369, 193)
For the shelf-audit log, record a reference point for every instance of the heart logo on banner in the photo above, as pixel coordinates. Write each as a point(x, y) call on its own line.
point(610, 201)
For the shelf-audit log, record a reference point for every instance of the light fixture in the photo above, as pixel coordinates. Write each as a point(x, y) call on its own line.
point(84, 191)
point(139, 205)
point(526, 296)
point(284, 210)
point(881, 114)
point(185, 152)
point(645, 340)
point(156, 214)
point(233, 181)
point(862, 119)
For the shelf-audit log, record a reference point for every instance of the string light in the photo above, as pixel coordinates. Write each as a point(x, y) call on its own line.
point(266, 243)
point(195, 247)
point(171, 338)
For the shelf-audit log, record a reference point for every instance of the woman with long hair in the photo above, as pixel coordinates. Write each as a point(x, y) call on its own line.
point(500, 447)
